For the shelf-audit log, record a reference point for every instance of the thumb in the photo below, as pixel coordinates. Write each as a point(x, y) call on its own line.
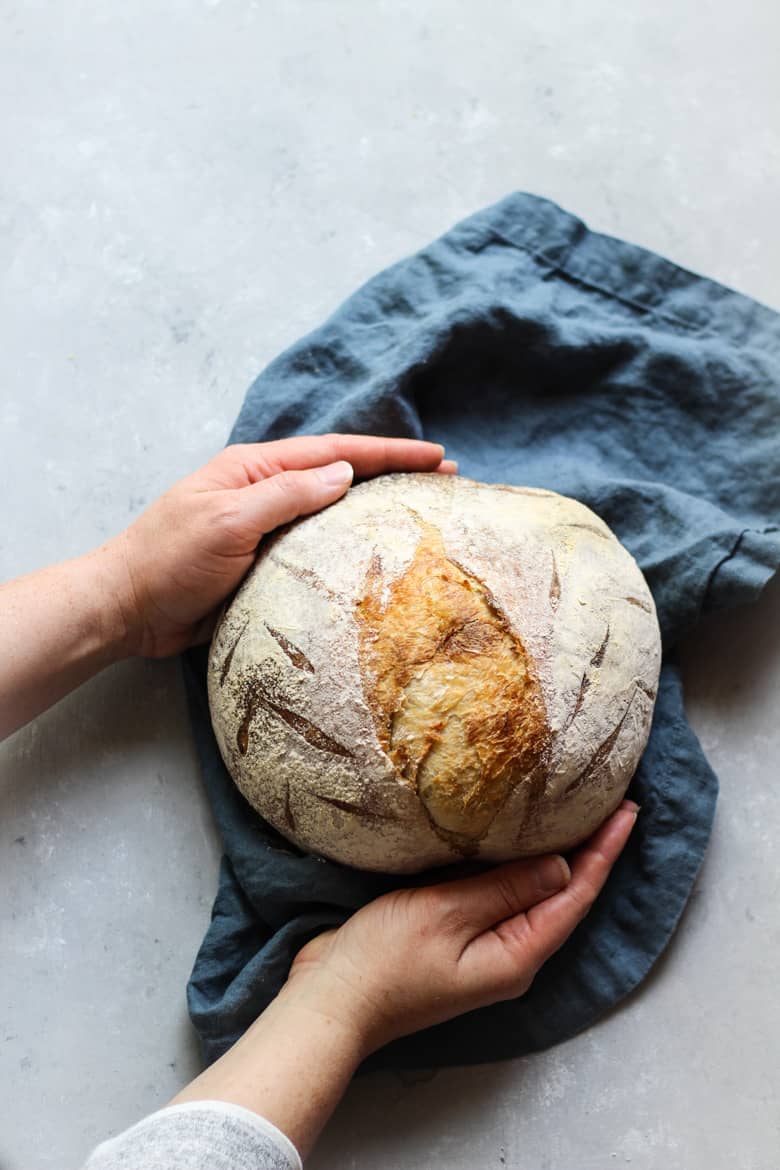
point(289, 494)
point(502, 893)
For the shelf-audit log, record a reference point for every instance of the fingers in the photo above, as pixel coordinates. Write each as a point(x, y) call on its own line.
point(554, 920)
point(368, 454)
point(502, 962)
point(469, 906)
point(281, 498)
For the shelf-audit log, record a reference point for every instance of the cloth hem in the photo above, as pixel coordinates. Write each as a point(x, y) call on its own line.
point(746, 552)
point(522, 217)
point(555, 266)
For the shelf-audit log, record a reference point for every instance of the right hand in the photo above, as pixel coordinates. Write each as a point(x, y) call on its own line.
point(417, 957)
point(188, 551)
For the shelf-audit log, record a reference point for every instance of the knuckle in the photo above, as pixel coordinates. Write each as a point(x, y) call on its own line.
point(225, 524)
point(597, 852)
point(451, 917)
point(334, 443)
point(404, 913)
point(432, 901)
point(438, 914)
point(506, 893)
point(583, 895)
point(228, 507)
point(511, 985)
point(286, 484)
point(517, 937)
point(233, 453)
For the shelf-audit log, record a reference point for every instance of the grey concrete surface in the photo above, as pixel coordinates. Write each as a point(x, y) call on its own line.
point(185, 188)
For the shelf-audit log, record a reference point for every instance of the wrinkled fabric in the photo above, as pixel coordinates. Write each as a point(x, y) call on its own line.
point(541, 354)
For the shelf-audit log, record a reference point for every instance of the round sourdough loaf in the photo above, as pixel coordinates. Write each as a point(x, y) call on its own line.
point(434, 668)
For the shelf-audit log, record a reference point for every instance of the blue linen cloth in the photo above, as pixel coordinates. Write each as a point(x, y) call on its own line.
point(544, 354)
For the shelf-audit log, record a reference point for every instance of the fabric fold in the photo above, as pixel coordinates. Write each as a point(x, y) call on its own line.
point(543, 354)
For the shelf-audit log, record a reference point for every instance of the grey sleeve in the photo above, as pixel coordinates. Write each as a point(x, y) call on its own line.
point(201, 1135)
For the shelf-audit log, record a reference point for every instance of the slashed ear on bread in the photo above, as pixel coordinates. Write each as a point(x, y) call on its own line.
point(434, 668)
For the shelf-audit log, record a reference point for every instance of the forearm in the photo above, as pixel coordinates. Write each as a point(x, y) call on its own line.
point(292, 1067)
point(58, 627)
point(156, 588)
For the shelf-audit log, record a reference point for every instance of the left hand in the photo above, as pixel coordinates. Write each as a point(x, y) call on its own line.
point(411, 959)
point(190, 549)
point(419, 956)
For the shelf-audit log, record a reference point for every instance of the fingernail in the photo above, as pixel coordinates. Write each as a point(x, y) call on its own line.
point(552, 873)
point(335, 474)
point(631, 806)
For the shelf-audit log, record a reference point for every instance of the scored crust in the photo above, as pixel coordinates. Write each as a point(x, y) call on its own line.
point(456, 702)
point(433, 668)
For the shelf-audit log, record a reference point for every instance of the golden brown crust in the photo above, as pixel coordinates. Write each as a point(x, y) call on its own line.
point(456, 701)
point(327, 711)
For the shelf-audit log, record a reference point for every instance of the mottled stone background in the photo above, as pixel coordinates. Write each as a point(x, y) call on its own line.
point(185, 188)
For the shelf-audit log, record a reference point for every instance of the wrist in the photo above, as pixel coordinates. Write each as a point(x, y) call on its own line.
point(341, 994)
point(315, 1008)
point(291, 1066)
point(115, 611)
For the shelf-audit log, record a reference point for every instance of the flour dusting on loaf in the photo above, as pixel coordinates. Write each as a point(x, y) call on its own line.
point(434, 668)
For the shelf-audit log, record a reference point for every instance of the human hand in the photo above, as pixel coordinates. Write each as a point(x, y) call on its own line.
point(417, 957)
point(410, 959)
point(190, 549)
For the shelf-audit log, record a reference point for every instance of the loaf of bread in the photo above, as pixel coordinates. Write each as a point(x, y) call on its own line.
point(434, 668)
